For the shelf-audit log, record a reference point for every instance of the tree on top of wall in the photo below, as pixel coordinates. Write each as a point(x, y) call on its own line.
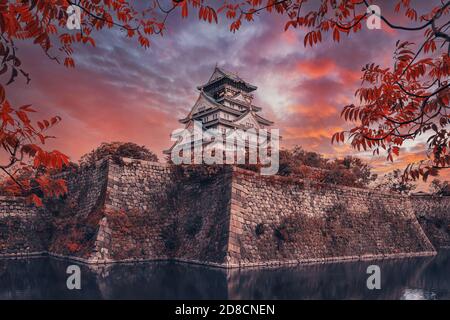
point(292, 159)
point(440, 188)
point(118, 149)
point(394, 182)
point(349, 171)
point(396, 104)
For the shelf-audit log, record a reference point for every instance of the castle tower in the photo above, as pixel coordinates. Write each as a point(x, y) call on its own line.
point(225, 104)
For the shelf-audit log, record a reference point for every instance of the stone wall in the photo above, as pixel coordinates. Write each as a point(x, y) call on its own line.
point(155, 211)
point(67, 226)
point(433, 214)
point(75, 223)
point(123, 210)
point(279, 220)
point(86, 190)
point(24, 229)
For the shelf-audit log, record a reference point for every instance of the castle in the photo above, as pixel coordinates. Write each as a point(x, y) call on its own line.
point(120, 210)
point(224, 111)
point(225, 104)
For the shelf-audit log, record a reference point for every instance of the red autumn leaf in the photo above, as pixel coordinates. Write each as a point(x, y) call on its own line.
point(36, 200)
point(2, 94)
point(184, 9)
point(336, 34)
point(69, 62)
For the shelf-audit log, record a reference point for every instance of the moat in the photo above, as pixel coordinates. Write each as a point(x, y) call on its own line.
point(45, 278)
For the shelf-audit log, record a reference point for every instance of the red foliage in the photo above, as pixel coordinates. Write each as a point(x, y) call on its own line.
point(400, 104)
point(28, 167)
point(119, 220)
point(396, 104)
point(75, 234)
point(73, 247)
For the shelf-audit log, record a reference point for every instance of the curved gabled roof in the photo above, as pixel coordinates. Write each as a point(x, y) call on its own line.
point(257, 117)
point(247, 105)
point(263, 120)
point(220, 74)
point(208, 101)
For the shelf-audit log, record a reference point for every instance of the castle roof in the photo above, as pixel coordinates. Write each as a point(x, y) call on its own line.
point(230, 99)
point(209, 105)
point(220, 74)
point(255, 116)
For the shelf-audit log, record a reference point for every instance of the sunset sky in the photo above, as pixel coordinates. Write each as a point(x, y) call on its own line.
point(122, 92)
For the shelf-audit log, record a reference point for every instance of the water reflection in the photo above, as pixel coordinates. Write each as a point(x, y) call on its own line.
point(417, 294)
point(45, 278)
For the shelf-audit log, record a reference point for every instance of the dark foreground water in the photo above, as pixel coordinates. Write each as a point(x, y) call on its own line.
point(45, 278)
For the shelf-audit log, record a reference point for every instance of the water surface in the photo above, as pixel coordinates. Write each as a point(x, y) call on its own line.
point(45, 278)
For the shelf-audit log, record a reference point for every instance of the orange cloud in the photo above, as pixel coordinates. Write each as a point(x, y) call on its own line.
point(316, 111)
point(311, 132)
point(322, 67)
point(316, 68)
point(349, 76)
